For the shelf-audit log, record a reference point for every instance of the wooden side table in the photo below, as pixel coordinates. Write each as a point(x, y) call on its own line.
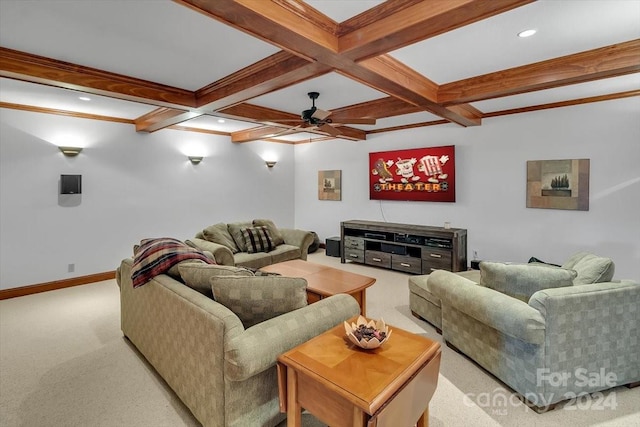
point(345, 386)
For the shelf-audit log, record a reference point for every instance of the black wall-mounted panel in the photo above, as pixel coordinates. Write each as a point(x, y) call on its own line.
point(70, 184)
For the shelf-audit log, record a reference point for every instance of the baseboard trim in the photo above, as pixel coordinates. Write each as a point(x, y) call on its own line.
point(56, 284)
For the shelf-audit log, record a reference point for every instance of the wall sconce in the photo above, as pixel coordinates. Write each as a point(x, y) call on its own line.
point(195, 159)
point(270, 163)
point(70, 151)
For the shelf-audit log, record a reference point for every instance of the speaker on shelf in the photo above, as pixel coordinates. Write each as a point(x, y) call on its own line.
point(70, 184)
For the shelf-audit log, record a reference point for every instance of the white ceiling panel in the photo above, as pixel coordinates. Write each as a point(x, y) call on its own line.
point(164, 42)
point(335, 91)
point(218, 124)
point(341, 10)
point(564, 27)
point(159, 41)
point(565, 93)
point(19, 92)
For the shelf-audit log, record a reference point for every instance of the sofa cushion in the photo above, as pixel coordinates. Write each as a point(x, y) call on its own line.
point(590, 268)
point(219, 233)
point(523, 280)
point(277, 237)
point(198, 276)
point(256, 299)
point(284, 253)
point(235, 229)
point(257, 239)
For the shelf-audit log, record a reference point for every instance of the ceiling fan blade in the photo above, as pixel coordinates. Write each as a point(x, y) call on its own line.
point(320, 114)
point(353, 121)
point(329, 129)
point(287, 131)
point(281, 120)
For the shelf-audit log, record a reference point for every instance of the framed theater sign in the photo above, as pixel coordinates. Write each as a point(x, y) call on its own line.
point(419, 174)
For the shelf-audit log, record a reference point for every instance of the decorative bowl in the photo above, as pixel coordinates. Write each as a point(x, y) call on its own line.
point(367, 334)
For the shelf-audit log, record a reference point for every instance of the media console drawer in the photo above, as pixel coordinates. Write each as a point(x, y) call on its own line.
point(356, 255)
point(408, 264)
point(354, 242)
point(380, 259)
point(435, 259)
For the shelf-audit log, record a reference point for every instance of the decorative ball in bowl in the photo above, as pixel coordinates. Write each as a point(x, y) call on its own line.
point(367, 334)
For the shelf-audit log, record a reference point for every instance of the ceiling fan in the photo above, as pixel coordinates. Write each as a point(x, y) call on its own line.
point(314, 117)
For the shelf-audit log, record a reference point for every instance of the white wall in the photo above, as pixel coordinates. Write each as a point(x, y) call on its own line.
point(142, 185)
point(134, 186)
point(491, 184)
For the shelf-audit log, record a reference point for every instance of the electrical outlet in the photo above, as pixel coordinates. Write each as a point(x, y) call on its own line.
point(475, 255)
point(71, 268)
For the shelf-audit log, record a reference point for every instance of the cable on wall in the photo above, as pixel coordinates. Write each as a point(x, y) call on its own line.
point(382, 212)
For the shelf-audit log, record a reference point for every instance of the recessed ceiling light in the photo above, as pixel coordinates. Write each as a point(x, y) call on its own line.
point(526, 33)
point(220, 120)
point(84, 98)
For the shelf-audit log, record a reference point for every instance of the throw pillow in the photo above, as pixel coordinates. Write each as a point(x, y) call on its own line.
point(523, 280)
point(590, 268)
point(277, 237)
point(198, 276)
point(256, 299)
point(235, 229)
point(219, 233)
point(257, 239)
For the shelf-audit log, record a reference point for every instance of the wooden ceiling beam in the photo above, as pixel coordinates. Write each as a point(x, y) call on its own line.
point(560, 104)
point(392, 77)
point(347, 132)
point(376, 109)
point(277, 71)
point(398, 23)
point(38, 69)
point(251, 112)
point(162, 118)
point(274, 22)
point(278, 23)
point(258, 133)
point(610, 61)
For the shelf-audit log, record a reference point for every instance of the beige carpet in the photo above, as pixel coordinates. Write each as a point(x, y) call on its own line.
point(63, 362)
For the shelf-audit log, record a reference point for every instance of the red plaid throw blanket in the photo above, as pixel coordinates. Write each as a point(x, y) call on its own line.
point(156, 256)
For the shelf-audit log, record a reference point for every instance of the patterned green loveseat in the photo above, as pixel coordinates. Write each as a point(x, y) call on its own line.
point(223, 369)
point(230, 243)
point(549, 333)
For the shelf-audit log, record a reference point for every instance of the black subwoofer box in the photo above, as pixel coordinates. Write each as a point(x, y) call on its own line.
point(332, 246)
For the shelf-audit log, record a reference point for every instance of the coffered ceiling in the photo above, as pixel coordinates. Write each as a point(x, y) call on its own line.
point(191, 64)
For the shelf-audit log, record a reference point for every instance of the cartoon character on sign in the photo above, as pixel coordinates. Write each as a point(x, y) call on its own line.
point(405, 169)
point(380, 169)
point(431, 166)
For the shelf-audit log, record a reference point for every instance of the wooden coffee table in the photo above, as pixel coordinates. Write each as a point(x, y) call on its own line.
point(345, 386)
point(324, 281)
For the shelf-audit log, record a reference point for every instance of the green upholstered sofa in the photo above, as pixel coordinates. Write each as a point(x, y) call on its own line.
point(223, 372)
point(229, 247)
point(548, 339)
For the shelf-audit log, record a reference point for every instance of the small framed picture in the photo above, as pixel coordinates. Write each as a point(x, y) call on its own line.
point(329, 185)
